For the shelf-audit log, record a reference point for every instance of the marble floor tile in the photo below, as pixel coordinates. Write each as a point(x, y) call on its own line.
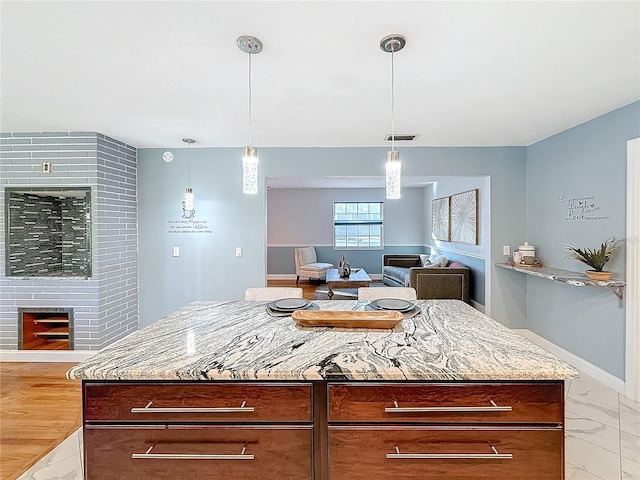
point(574, 473)
point(593, 459)
point(593, 392)
point(599, 434)
point(630, 469)
point(583, 407)
point(629, 416)
point(62, 463)
point(629, 446)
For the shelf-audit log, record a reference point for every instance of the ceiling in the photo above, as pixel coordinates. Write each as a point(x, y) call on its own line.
point(472, 73)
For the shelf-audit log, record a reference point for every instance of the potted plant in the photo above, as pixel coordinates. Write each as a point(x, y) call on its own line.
point(596, 258)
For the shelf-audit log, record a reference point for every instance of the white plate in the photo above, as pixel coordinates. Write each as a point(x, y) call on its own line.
point(286, 304)
point(393, 304)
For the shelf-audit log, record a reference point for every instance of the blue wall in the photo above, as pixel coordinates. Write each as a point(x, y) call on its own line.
point(587, 161)
point(207, 267)
point(298, 217)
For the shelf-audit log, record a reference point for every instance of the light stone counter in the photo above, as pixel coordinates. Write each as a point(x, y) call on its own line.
point(238, 340)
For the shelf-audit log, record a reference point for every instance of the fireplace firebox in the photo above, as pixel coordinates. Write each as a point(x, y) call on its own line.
point(45, 328)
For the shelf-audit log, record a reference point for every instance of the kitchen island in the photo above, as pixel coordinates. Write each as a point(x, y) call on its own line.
point(224, 390)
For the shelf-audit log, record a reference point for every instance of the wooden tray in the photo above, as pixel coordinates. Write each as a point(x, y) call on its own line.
point(523, 265)
point(347, 319)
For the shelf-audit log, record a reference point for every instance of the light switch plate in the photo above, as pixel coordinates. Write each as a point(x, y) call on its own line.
point(506, 250)
point(176, 251)
point(238, 251)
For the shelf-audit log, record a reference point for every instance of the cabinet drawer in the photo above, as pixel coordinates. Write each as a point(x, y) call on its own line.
point(411, 452)
point(446, 403)
point(193, 451)
point(197, 402)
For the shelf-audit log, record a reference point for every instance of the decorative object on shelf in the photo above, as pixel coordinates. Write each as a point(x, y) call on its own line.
point(187, 206)
point(393, 169)
point(517, 257)
point(527, 250)
point(596, 258)
point(440, 218)
point(344, 269)
point(249, 45)
point(464, 217)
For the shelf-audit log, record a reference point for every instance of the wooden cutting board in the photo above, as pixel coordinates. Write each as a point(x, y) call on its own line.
point(347, 319)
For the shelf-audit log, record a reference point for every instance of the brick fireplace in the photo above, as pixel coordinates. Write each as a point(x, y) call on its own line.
point(105, 299)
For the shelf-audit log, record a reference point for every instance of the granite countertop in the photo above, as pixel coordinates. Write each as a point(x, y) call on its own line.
point(238, 340)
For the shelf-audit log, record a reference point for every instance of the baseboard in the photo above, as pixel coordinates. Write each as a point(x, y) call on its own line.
point(292, 276)
point(581, 364)
point(477, 306)
point(281, 276)
point(45, 355)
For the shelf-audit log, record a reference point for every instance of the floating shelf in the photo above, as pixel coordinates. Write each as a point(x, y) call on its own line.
point(576, 279)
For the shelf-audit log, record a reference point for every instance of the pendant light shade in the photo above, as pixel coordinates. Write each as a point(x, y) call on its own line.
point(249, 45)
point(393, 168)
point(188, 200)
point(188, 211)
point(250, 170)
point(393, 173)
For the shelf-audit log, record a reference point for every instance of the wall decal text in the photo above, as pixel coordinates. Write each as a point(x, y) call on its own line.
point(581, 208)
point(188, 226)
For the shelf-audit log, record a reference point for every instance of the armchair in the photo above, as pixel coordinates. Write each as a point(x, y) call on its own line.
point(307, 264)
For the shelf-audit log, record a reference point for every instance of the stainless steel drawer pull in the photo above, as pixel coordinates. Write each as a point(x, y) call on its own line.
point(452, 456)
point(489, 408)
point(150, 409)
point(190, 456)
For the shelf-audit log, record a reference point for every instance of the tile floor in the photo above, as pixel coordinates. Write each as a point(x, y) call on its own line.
point(602, 439)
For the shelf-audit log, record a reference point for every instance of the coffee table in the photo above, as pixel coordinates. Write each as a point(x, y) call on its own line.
point(356, 279)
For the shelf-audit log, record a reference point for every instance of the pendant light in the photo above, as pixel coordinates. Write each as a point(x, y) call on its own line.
point(187, 206)
point(249, 45)
point(393, 169)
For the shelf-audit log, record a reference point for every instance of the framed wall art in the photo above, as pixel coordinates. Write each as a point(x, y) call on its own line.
point(464, 217)
point(440, 218)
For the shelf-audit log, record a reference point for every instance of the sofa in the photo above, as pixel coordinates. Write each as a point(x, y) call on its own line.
point(432, 276)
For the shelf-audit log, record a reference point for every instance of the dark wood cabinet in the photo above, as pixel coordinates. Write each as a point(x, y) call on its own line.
point(454, 430)
point(323, 430)
point(422, 452)
point(520, 402)
point(197, 402)
point(199, 451)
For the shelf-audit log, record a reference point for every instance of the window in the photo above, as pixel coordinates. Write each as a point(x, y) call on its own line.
point(357, 225)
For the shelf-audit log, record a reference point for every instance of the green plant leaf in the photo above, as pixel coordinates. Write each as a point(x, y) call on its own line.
point(595, 258)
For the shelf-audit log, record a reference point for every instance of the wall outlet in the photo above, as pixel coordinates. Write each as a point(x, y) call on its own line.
point(506, 250)
point(46, 167)
point(238, 251)
point(176, 251)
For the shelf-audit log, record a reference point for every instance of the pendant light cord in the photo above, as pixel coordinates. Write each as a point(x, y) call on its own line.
point(189, 163)
point(250, 143)
point(393, 135)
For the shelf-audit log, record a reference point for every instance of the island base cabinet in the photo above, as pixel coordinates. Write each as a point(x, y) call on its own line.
point(405, 452)
point(190, 451)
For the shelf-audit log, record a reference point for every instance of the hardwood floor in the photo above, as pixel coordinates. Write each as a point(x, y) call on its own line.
point(39, 408)
point(308, 289)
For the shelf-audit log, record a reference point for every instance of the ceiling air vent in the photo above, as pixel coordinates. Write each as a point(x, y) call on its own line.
point(402, 137)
